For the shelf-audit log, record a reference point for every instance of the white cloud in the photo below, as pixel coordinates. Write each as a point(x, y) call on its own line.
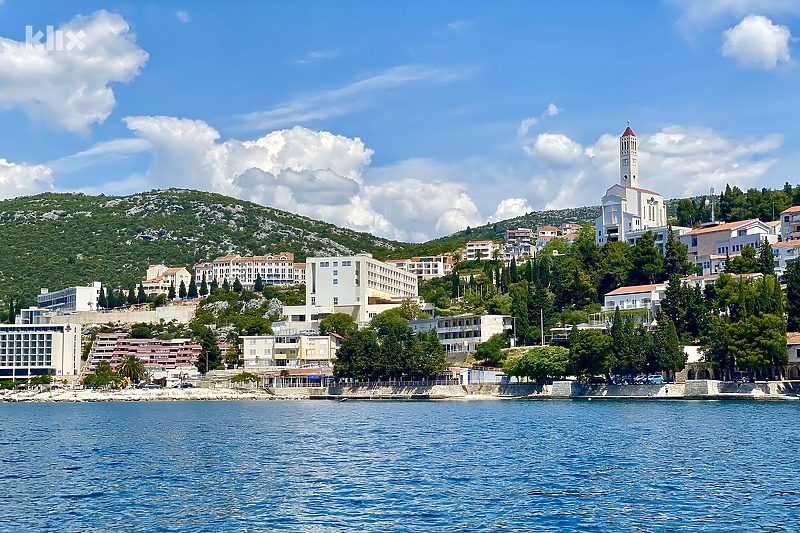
point(553, 110)
point(71, 88)
point(183, 16)
point(105, 152)
point(510, 208)
point(555, 149)
point(757, 41)
point(337, 102)
point(525, 125)
point(676, 161)
point(23, 179)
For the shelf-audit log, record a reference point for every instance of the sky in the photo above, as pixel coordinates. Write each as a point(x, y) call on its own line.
point(408, 120)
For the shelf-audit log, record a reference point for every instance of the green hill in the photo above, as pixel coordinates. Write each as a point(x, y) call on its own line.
point(60, 240)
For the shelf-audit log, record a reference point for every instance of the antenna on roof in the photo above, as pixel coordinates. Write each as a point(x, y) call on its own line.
point(629, 123)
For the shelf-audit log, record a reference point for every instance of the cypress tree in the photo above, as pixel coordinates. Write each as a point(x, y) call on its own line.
point(12, 312)
point(203, 286)
point(514, 273)
point(258, 284)
point(140, 294)
point(192, 292)
point(182, 290)
point(102, 301)
point(766, 259)
point(237, 285)
point(131, 294)
point(171, 293)
point(226, 286)
point(212, 288)
point(111, 302)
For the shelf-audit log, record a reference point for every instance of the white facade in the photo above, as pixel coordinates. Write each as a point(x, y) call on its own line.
point(790, 223)
point(463, 333)
point(519, 236)
point(159, 278)
point(427, 267)
point(29, 350)
point(729, 238)
point(71, 299)
point(785, 253)
point(299, 273)
point(480, 249)
point(265, 351)
point(274, 269)
point(660, 234)
point(626, 208)
point(645, 297)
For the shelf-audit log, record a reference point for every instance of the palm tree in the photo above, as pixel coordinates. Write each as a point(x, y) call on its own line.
point(132, 367)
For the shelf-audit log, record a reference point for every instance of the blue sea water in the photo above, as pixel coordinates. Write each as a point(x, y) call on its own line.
point(318, 466)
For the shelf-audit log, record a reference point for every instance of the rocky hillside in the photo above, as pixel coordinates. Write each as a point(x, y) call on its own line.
point(59, 240)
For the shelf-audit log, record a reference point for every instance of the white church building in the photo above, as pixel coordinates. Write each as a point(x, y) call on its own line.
point(628, 211)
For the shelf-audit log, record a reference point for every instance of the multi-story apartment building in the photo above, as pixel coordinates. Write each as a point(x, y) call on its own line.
point(35, 349)
point(519, 236)
point(357, 285)
point(425, 268)
point(160, 278)
point(157, 353)
point(71, 299)
point(102, 349)
point(463, 333)
point(299, 273)
point(785, 254)
point(274, 269)
point(790, 223)
point(570, 228)
point(295, 350)
point(546, 231)
point(709, 246)
point(482, 250)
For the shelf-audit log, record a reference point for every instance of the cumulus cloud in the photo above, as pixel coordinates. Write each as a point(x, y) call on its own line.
point(23, 179)
point(553, 110)
point(510, 208)
point(757, 41)
point(555, 149)
point(70, 88)
point(676, 161)
point(525, 125)
point(316, 174)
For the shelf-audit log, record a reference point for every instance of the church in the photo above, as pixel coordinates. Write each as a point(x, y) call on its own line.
point(628, 211)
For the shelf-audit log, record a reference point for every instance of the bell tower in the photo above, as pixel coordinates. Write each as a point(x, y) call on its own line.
point(628, 158)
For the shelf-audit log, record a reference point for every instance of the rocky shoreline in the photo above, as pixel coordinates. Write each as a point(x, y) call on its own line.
point(692, 390)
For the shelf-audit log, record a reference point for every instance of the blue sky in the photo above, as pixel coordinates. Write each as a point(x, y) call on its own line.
point(408, 120)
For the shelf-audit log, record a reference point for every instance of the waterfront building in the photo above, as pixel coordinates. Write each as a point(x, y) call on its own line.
point(33, 349)
point(274, 269)
point(159, 278)
point(627, 208)
point(357, 285)
point(71, 299)
point(102, 349)
point(461, 334)
point(289, 350)
point(793, 347)
point(157, 353)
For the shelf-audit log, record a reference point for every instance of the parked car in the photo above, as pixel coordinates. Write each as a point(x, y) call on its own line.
point(186, 385)
point(597, 380)
point(655, 378)
point(640, 379)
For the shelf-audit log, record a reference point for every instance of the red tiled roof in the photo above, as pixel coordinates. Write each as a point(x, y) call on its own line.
point(628, 132)
point(634, 289)
point(728, 226)
point(793, 209)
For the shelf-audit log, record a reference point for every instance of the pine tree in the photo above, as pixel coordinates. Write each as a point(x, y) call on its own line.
point(258, 284)
point(204, 286)
point(182, 290)
point(171, 292)
point(141, 296)
point(192, 292)
point(237, 285)
point(766, 259)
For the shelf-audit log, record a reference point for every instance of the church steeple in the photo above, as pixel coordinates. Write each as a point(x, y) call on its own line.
point(628, 158)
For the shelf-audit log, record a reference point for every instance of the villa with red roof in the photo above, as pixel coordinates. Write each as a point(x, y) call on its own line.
point(629, 211)
point(160, 278)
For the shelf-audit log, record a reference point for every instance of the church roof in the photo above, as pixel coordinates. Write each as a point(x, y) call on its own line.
point(628, 132)
point(646, 191)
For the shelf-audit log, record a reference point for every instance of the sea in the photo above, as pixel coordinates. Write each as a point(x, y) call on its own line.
point(400, 466)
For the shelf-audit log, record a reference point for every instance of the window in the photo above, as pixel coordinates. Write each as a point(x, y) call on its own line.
point(335, 281)
point(335, 272)
point(324, 264)
point(336, 263)
point(347, 263)
point(335, 300)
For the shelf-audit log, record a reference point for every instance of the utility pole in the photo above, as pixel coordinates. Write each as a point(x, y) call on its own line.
point(541, 323)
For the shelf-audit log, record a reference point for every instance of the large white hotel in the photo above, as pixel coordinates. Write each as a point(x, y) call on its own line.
point(30, 348)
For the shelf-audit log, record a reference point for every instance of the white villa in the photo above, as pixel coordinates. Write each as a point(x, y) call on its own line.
point(463, 333)
point(159, 278)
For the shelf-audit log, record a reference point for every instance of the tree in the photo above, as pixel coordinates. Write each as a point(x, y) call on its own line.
point(140, 294)
point(192, 290)
point(519, 309)
point(490, 353)
point(745, 263)
point(233, 356)
point(131, 294)
point(203, 286)
point(766, 259)
point(182, 290)
point(237, 285)
point(171, 293)
point(541, 362)
point(390, 322)
point(647, 261)
point(686, 213)
point(758, 342)
point(132, 367)
point(340, 323)
point(258, 284)
point(614, 266)
point(589, 351)
point(667, 351)
point(226, 286)
point(210, 354)
point(675, 254)
point(513, 271)
point(111, 301)
point(793, 296)
point(355, 356)
point(12, 312)
point(102, 301)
